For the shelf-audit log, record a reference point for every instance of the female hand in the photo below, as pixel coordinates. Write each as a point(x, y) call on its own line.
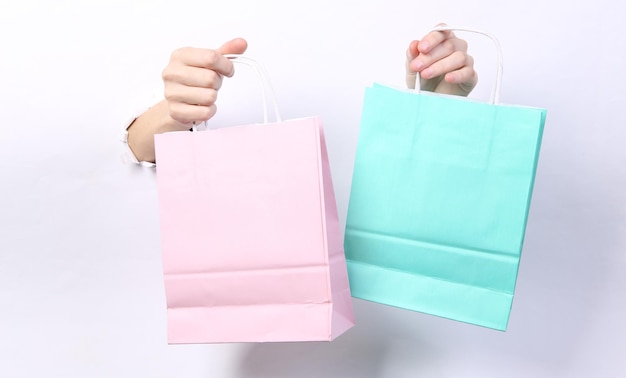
point(193, 77)
point(443, 63)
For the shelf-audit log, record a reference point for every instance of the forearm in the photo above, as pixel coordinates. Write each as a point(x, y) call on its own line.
point(153, 121)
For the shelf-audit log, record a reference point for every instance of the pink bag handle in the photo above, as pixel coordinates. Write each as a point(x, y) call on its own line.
point(265, 83)
point(495, 93)
point(266, 86)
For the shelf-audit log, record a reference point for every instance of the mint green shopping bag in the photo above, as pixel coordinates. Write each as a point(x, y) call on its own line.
point(439, 202)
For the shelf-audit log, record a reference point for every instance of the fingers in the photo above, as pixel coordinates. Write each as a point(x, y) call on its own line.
point(179, 93)
point(186, 113)
point(187, 104)
point(452, 62)
point(190, 91)
point(193, 77)
point(463, 75)
point(202, 58)
point(441, 51)
point(443, 63)
point(460, 82)
point(235, 46)
point(433, 39)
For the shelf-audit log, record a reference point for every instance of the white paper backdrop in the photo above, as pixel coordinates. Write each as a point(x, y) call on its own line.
point(81, 293)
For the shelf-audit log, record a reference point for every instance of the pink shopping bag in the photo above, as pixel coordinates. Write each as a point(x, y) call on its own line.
point(251, 242)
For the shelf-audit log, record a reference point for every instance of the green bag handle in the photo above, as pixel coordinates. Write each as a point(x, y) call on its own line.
point(495, 93)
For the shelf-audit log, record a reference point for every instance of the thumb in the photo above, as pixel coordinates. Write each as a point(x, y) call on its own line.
point(411, 78)
point(411, 53)
point(235, 46)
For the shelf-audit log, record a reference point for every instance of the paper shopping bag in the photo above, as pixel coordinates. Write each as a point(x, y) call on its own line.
point(439, 203)
point(251, 243)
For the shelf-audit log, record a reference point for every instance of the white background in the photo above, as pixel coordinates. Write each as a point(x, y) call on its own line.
point(81, 291)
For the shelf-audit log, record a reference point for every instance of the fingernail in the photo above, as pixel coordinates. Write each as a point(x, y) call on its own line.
point(427, 73)
point(424, 46)
point(418, 64)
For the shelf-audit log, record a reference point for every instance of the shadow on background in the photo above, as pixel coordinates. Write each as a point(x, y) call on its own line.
point(368, 350)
